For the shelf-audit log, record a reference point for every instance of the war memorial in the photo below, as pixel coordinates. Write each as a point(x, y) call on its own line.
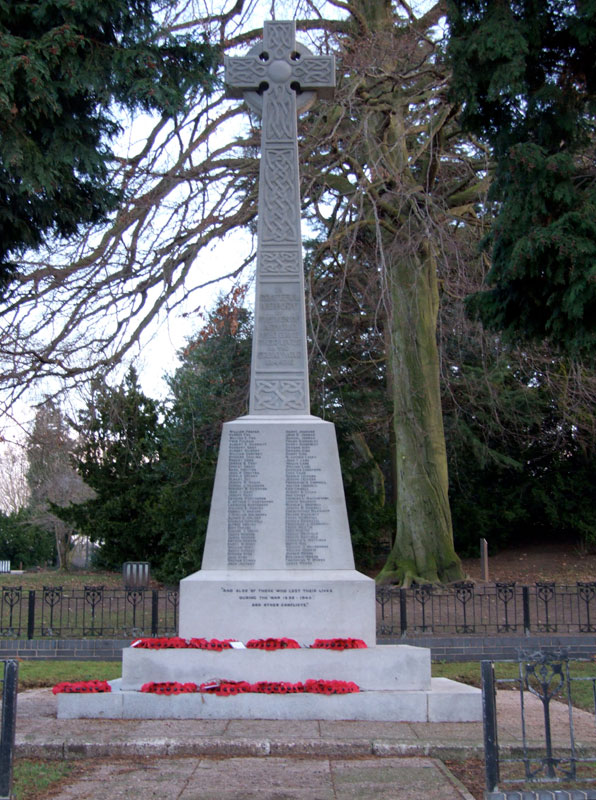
point(278, 561)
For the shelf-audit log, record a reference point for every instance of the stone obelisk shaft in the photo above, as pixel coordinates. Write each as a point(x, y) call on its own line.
point(279, 372)
point(271, 78)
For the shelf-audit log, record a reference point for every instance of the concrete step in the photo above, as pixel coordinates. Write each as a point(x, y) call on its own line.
point(388, 667)
point(445, 701)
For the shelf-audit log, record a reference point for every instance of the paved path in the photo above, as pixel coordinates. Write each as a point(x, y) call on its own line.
point(268, 779)
point(270, 760)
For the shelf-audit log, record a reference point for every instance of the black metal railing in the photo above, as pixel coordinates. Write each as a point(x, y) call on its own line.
point(457, 609)
point(496, 608)
point(551, 755)
point(93, 611)
point(10, 674)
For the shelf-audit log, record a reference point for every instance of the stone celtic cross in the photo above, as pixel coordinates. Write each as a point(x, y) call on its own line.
point(278, 79)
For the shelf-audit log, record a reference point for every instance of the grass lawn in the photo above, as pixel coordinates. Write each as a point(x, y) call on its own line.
point(73, 579)
point(32, 777)
point(582, 692)
point(40, 674)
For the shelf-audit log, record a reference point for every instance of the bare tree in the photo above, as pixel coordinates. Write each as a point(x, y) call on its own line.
point(51, 478)
point(78, 309)
point(14, 492)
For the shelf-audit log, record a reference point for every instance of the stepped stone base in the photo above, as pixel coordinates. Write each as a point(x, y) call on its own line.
point(445, 701)
point(389, 667)
point(394, 680)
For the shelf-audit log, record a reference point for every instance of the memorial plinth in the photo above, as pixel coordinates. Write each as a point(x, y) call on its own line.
point(278, 558)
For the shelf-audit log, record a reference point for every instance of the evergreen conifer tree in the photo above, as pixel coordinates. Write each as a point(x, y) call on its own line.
point(526, 75)
point(65, 66)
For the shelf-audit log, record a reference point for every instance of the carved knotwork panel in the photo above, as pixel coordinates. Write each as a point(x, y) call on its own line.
point(313, 72)
point(280, 222)
point(245, 72)
point(280, 39)
point(280, 114)
point(282, 262)
point(279, 394)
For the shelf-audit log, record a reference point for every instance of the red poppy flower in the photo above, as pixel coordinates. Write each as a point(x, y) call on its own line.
point(161, 643)
point(198, 644)
point(215, 644)
point(169, 687)
point(272, 644)
point(81, 687)
point(339, 644)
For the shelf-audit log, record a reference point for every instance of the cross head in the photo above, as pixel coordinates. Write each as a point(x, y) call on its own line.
point(281, 66)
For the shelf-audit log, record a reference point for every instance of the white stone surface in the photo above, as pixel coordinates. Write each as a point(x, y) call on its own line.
point(278, 499)
point(301, 604)
point(390, 706)
point(278, 557)
point(387, 667)
point(399, 706)
point(107, 705)
point(450, 701)
point(394, 680)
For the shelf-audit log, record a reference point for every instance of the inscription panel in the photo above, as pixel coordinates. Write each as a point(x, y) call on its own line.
point(307, 502)
point(278, 501)
point(282, 597)
point(280, 337)
point(247, 497)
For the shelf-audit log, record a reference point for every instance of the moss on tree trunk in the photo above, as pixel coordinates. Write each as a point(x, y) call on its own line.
point(423, 550)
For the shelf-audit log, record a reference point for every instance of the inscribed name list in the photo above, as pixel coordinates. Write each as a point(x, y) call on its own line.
point(280, 339)
point(284, 504)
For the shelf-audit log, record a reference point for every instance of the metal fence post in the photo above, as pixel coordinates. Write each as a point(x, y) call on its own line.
point(403, 611)
point(526, 608)
point(7, 735)
point(154, 611)
point(31, 615)
point(489, 724)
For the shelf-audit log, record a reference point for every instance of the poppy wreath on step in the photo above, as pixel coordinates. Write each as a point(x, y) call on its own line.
point(273, 644)
point(277, 687)
point(162, 643)
point(81, 687)
point(339, 644)
point(330, 687)
point(211, 644)
point(228, 688)
point(169, 687)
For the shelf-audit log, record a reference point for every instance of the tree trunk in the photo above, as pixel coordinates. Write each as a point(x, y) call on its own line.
point(62, 537)
point(423, 550)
